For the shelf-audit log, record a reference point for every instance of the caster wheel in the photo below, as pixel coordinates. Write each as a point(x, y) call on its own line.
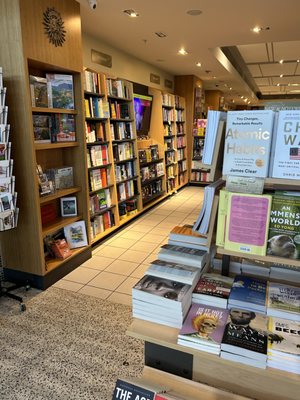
point(22, 307)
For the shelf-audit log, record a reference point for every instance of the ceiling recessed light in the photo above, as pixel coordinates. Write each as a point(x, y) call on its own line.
point(278, 84)
point(230, 88)
point(183, 52)
point(160, 34)
point(194, 13)
point(298, 61)
point(281, 61)
point(256, 29)
point(281, 76)
point(198, 64)
point(131, 13)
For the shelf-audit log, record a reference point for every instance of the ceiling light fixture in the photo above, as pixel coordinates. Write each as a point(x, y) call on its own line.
point(278, 84)
point(281, 61)
point(258, 29)
point(230, 88)
point(281, 76)
point(198, 64)
point(194, 13)
point(182, 51)
point(160, 34)
point(298, 61)
point(131, 13)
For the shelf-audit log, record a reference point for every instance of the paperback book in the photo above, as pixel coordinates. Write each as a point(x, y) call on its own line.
point(75, 234)
point(248, 143)
point(185, 234)
point(247, 223)
point(183, 255)
point(285, 159)
point(213, 289)
point(60, 91)
point(204, 326)
point(175, 271)
point(283, 301)
point(248, 293)
point(284, 227)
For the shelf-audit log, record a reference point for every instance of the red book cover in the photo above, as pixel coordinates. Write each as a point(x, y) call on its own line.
point(104, 155)
point(103, 177)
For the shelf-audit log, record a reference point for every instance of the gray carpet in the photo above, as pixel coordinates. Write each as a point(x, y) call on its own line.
point(65, 346)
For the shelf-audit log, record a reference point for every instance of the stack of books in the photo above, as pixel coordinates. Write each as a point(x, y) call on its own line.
point(203, 328)
point(183, 235)
point(183, 255)
point(212, 289)
point(284, 345)
point(283, 301)
point(248, 293)
point(162, 301)
point(245, 338)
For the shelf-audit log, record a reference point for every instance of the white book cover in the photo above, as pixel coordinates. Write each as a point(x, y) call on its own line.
point(248, 143)
point(283, 338)
point(286, 151)
point(283, 301)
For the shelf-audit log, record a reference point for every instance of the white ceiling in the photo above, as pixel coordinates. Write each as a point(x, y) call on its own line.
point(222, 25)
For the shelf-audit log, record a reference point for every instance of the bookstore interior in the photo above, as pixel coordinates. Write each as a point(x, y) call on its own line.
point(94, 139)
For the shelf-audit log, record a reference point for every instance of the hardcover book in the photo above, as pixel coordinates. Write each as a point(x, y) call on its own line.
point(63, 128)
point(222, 217)
point(284, 227)
point(39, 92)
point(75, 234)
point(283, 301)
point(185, 233)
point(247, 223)
point(246, 334)
point(60, 91)
point(248, 293)
point(285, 160)
point(41, 128)
point(184, 255)
point(248, 143)
point(213, 289)
point(204, 325)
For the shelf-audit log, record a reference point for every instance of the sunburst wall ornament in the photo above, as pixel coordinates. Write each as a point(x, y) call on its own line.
point(54, 27)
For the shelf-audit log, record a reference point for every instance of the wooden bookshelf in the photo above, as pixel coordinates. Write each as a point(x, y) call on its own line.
point(218, 373)
point(33, 54)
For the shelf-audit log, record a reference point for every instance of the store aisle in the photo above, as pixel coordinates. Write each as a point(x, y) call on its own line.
point(119, 262)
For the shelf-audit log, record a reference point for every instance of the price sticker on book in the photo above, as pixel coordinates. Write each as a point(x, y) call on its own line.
point(243, 184)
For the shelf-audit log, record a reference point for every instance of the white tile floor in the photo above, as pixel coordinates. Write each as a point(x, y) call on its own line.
point(119, 262)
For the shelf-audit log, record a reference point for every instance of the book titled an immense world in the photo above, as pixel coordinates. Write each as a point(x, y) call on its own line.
point(248, 143)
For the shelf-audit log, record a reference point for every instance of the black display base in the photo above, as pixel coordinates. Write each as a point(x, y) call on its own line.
point(45, 281)
point(169, 360)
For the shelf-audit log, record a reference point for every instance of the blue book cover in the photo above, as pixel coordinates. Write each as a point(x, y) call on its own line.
point(248, 143)
point(246, 290)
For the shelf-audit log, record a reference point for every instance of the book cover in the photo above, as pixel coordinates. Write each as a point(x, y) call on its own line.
point(204, 324)
point(178, 272)
point(127, 390)
point(159, 291)
point(248, 143)
point(248, 292)
point(284, 227)
point(284, 337)
point(214, 285)
point(39, 91)
point(41, 128)
point(75, 234)
point(185, 233)
point(60, 91)
point(247, 223)
point(222, 217)
point(286, 154)
point(283, 300)
point(63, 127)
point(246, 334)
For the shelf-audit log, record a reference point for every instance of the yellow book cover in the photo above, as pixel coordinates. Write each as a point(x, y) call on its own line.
point(247, 223)
point(87, 108)
point(222, 216)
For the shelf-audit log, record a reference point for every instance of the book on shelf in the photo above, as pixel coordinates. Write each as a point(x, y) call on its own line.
point(183, 255)
point(245, 337)
point(284, 345)
point(203, 328)
point(248, 218)
point(75, 234)
point(4, 133)
point(284, 227)
point(42, 128)
point(60, 248)
point(38, 91)
point(3, 115)
point(202, 223)
point(212, 289)
point(60, 91)
point(256, 268)
point(175, 271)
point(6, 168)
point(63, 177)
point(5, 150)
point(248, 293)
point(248, 143)
point(283, 301)
point(160, 300)
point(222, 217)
point(63, 128)
point(214, 129)
point(285, 156)
point(285, 272)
